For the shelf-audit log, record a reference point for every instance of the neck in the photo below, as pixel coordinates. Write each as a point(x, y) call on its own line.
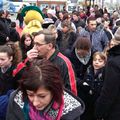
point(4, 69)
point(50, 53)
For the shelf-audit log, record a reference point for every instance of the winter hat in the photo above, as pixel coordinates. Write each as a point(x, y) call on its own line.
point(117, 35)
point(47, 22)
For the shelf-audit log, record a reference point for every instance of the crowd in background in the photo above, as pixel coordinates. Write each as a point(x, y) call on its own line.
point(82, 50)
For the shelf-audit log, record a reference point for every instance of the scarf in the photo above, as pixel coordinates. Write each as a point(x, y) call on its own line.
point(52, 112)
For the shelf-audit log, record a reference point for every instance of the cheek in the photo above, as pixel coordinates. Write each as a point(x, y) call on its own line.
point(103, 64)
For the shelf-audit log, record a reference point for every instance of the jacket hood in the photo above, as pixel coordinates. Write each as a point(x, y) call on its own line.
point(114, 51)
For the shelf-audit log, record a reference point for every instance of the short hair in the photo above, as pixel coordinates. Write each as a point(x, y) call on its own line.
point(13, 24)
point(76, 13)
point(83, 43)
point(91, 18)
point(42, 73)
point(49, 36)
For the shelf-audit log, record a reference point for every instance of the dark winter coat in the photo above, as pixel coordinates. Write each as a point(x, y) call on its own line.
point(8, 81)
point(79, 67)
point(108, 104)
point(4, 31)
point(72, 110)
point(14, 35)
point(95, 81)
point(66, 70)
point(66, 41)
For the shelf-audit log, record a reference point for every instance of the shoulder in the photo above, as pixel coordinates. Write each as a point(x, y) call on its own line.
point(73, 106)
point(16, 98)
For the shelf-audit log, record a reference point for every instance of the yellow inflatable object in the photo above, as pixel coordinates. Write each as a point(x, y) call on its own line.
point(32, 15)
point(33, 19)
point(33, 26)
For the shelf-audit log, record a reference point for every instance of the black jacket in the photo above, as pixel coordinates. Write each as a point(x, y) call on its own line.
point(8, 81)
point(4, 31)
point(67, 72)
point(108, 104)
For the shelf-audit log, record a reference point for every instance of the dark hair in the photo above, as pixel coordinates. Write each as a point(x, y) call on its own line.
point(1, 12)
point(76, 13)
point(43, 73)
point(13, 50)
point(23, 47)
point(13, 24)
point(91, 18)
point(49, 36)
point(83, 43)
point(22, 40)
point(66, 16)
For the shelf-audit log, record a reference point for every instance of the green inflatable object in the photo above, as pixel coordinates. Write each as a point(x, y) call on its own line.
point(27, 8)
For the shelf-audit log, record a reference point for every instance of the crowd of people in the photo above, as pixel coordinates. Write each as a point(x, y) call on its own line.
point(68, 70)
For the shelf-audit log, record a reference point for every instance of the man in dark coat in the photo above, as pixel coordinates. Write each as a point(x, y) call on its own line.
point(4, 29)
point(108, 104)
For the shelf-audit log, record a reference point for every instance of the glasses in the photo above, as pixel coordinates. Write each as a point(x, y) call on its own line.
point(38, 44)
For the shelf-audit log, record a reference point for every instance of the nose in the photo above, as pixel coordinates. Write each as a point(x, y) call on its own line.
point(35, 101)
point(35, 47)
point(96, 62)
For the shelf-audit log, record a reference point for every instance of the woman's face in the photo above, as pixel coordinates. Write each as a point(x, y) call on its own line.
point(113, 43)
point(41, 98)
point(65, 29)
point(82, 53)
point(98, 62)
point(5, 60)
point(27, 41)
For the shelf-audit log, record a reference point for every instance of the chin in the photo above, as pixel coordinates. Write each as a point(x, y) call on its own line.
point(39, 108)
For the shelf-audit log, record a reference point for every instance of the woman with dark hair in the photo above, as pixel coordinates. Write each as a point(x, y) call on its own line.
point(9, 74)
point(81, 58)
point(26, 43)
point(41, 96)
point(81, 55)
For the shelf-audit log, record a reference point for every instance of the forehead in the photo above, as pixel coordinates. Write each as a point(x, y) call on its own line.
point(39, 38)
point(3, 55)
point(40, 90)
point(98, 57)
point(92, 22)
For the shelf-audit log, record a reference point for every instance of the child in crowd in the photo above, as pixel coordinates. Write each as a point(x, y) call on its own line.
point(93, 82)
point(94, 73)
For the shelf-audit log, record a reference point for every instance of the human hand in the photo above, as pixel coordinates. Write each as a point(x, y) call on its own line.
point(31, 54)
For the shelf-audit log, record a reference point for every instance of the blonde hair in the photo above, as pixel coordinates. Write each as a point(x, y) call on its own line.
point(52, 27)
point(101, 54)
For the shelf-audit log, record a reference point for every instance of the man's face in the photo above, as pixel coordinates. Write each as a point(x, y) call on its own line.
point(41, 46)
point(75, 17)
point(92, 25)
